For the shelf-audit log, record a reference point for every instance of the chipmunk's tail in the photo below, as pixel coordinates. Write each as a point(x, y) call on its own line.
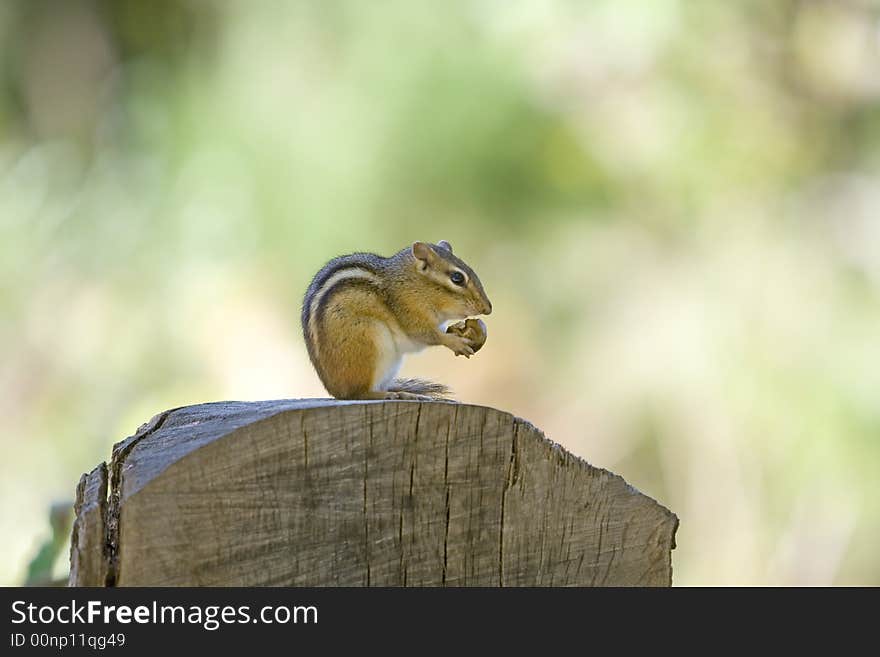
point(420, 387)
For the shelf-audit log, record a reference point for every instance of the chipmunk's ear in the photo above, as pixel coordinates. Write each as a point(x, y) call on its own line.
point(443, 244)
point(423, 254)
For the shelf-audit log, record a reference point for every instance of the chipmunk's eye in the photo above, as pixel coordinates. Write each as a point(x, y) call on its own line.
point(457, 278)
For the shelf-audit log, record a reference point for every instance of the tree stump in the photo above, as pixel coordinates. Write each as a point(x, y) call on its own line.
point(372, 493)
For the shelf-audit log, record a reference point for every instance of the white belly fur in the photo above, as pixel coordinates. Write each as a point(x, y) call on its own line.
point(392, 345)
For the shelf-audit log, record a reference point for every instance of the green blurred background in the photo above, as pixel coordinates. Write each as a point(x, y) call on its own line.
point(674, 207)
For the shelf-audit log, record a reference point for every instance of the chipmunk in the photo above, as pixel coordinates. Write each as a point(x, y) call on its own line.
point(362, 313)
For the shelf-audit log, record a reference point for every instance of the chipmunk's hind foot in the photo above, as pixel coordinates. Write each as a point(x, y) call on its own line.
point(419, 389)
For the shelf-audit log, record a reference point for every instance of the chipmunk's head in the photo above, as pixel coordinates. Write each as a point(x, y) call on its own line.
point(463, 293)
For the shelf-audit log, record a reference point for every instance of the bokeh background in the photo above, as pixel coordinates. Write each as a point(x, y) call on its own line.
point(674, 206)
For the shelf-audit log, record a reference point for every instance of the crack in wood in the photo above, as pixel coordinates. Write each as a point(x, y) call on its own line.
point(112, 520)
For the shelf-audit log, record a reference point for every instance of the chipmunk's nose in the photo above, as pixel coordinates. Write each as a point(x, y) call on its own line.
point(487, 308)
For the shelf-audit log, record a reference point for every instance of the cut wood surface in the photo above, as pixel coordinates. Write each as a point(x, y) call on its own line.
point(374, 493)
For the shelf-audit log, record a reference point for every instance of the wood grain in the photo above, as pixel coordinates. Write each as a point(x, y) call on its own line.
point(384, 493)
point(88, 558)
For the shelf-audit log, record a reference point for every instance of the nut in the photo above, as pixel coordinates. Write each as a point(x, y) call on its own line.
point(473, 329)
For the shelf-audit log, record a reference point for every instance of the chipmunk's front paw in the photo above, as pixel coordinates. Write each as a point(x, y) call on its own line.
point(460, 345)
